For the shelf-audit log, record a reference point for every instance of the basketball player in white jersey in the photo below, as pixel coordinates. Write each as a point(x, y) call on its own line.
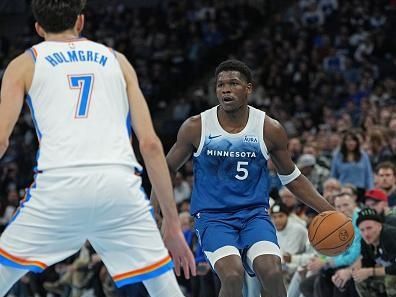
point(231, 144)
point(87, 186)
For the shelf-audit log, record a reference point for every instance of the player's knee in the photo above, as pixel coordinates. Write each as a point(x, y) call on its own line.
point(268, 266)
point(273, 272)
point(270, 272)
point(232, 276)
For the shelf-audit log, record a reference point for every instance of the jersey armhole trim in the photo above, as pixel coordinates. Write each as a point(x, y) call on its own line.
point(119, 66)
point(112, 51)
point(202, 140)
point(33, 53)
point(263, 147)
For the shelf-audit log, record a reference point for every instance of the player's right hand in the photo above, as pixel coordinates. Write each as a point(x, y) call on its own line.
point(180, 252)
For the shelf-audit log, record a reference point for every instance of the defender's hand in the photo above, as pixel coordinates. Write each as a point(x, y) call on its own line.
point(181, 253)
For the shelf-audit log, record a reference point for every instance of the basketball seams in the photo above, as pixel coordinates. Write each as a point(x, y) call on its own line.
point(328, 235)
point(336, 247)
point(334, 250)
point(316, 230)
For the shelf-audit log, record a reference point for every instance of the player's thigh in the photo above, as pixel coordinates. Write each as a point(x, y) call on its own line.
point(258, 238)
point(258, 227)
point(217, 236)
point(230, 265)
point(47, 227)
point(126, 236)
point(132, 252)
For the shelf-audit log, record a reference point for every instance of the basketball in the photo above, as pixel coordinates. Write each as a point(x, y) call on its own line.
point(331, 233)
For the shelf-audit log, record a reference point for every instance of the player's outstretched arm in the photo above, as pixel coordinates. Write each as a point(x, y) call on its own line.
point(154, 159)
point(15, 83)
point(276, 141)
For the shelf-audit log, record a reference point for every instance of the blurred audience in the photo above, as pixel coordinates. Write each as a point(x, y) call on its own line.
point(352, 165)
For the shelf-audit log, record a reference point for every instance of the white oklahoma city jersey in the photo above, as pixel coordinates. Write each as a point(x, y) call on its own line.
point(79, 106)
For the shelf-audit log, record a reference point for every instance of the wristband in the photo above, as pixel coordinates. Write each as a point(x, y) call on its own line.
point(285, 179)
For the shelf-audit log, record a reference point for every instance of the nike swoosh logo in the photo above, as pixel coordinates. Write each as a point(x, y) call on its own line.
point(215, 136)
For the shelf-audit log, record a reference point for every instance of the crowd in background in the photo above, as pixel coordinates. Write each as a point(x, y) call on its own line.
point(326, 69)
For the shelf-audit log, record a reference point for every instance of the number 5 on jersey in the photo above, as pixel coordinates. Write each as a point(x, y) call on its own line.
point(242, 172)
point(83, 82)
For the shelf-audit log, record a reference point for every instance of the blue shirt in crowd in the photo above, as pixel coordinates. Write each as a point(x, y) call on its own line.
point(357, 173)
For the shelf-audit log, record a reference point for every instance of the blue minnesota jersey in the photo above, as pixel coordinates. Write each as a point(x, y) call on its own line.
point(230, 170)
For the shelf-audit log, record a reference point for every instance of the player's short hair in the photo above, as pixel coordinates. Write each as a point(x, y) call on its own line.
point(56, 16)
point(235, 65)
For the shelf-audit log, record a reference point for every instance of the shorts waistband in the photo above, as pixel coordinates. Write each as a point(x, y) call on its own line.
point(93, 168)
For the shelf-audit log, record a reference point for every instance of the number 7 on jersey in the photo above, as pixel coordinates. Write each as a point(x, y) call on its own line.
point(83, 82)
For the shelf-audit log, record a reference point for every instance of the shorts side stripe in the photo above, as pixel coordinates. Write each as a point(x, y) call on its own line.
point(141, 274)
point(16, 262)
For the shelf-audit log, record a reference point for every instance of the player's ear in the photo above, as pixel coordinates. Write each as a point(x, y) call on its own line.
point(40, 31)
point(80, 23)
point(249, 88)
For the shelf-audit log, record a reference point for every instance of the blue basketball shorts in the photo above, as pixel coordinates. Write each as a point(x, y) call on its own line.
point(247, 233)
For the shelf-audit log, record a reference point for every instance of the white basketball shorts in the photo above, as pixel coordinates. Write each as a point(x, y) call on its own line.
point(103, 204)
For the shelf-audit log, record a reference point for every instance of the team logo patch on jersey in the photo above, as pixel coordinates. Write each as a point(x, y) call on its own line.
point(250, 139)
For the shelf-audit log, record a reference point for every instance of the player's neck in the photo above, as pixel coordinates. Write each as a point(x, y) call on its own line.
point(63, 36)
point(239, 114)
point(234, 121)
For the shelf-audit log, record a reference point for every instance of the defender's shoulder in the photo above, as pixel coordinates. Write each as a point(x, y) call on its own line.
point(20, 71)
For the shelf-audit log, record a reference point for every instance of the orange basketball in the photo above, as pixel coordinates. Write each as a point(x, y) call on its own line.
point(331, 233)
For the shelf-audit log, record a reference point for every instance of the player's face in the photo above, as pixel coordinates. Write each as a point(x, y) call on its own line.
point(370, 231)
point(232, 90)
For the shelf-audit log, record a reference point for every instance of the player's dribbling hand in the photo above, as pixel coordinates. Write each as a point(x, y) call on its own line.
point(179, 250)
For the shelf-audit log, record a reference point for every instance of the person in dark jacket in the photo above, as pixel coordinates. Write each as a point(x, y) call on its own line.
point(378, 254)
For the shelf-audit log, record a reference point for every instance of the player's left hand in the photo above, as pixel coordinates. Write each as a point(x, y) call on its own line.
point(181, 253)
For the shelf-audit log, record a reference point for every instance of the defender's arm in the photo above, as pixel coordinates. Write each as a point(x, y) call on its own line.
point(16, 81)
point(153, 155)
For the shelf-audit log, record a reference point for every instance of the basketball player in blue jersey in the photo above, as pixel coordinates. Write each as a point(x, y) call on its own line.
point(231, 144)
point(87, 187)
